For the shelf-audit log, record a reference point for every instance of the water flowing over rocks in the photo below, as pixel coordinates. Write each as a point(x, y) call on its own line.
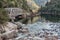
point(35, 31)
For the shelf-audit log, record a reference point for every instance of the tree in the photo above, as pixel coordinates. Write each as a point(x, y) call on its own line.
point(14, 3)
point(53, 5)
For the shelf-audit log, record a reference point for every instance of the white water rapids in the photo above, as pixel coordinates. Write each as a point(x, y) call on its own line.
point(38, 27)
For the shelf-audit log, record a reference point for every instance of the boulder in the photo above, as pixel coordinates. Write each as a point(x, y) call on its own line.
point(9, 35)
point(10, 26)
point(0, 37)
point(24, 30)
point(2, 29)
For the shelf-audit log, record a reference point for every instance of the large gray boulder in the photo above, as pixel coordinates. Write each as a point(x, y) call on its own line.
point(9, 35)
point(0, 37)
point(10, 26)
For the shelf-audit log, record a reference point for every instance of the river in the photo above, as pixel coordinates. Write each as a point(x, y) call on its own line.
point(46, 23)
point(47, 17)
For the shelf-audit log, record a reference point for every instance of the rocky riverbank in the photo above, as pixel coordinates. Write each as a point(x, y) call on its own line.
point(36, 31)
point(12, 31)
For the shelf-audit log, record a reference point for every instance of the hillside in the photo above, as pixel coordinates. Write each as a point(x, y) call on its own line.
point(33, 6)
point(24, 4)
point(54, 5)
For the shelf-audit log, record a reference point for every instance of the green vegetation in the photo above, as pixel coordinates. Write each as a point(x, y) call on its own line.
point(3, 16)
point(11, 4)
point(14, 3)
point(53, 6)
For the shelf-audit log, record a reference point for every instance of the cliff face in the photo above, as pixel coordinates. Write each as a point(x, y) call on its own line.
point(41, 2)
point(33, 6)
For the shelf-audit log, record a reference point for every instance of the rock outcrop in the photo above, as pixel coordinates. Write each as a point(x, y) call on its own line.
point(0, 37)
point(33, 6)
point(12, 31)
point(10, 26)
point(10, 34)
